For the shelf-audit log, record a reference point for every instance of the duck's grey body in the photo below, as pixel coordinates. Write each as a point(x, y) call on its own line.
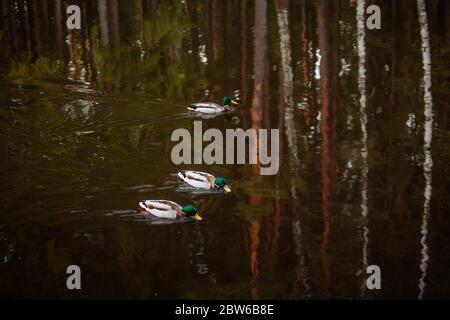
point(161, 208)
point(197, 179)
point(208, 108)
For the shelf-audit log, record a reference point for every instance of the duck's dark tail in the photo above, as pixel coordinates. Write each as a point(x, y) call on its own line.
point(181, 175)
point(192, 107)
point(143, 205)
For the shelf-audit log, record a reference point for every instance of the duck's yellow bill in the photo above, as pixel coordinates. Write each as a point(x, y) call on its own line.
point(233, 102)
point(197, 217)
point(227, 188)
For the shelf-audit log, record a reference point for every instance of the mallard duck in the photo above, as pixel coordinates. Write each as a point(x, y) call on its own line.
point(168, 209)
point(212, 107)
point(203, 180)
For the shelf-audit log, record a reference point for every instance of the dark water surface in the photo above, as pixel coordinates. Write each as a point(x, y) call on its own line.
point(85, 124)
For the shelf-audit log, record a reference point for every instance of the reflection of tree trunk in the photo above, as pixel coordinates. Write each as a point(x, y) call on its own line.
point(7, 33)
point(45, 21)
point(306, 80)
point(113, 10)
point(14, 32)
point(334, 89)
point(216, 42)
point(59, 29)
point(228, 35)
point(427, 137)
point(192, 11)
point(268, 258)
point(210, 48)
point(74, 65)
point(286, 90)
point(259, 72)
point(154, 11)
point(84, 40)
point(32, 44)
point(103, 21)
point(393, 55)
point(259, 61)
point(37, 29)
point(256, 110)
point(277, 217)
point(286, 107)
point(140, 19)
point(74, 59)
point(2, 17)
point(244, 61)
point(266, 101)
point(361, 44)
point(447, 21)
point(254, 243)
point(325, 79)
point(26, 22)
point(114, 19)
point(215, 30)
point(89, 59)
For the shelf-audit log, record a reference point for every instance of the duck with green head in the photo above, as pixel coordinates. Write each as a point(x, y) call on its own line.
point(203, 180)
point(166, 209)
point(212, 107)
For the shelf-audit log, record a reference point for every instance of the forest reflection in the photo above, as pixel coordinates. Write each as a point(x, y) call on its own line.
point(361, 179)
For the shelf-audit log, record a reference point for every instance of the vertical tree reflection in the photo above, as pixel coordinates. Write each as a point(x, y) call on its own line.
point(286, 86)
point(192, 12)
point(113, 11)
point(286, 110)
point(243, 38)
point(259, 69)
point(361, 44)
point(103, 21)
point(59, 29)
point(427, 137)
point(306, 80)
point(325, 83)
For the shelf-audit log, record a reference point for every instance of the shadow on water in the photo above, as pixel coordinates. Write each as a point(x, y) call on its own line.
point(138, 216)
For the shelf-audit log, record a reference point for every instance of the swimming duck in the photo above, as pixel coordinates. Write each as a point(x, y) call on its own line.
point(168, 209)
point(212, 107)
point(203, 180)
